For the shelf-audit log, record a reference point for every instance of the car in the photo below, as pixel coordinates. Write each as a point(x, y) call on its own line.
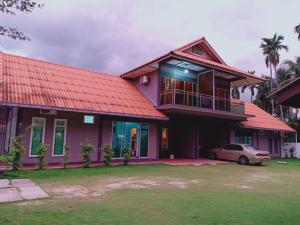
point(244, 154)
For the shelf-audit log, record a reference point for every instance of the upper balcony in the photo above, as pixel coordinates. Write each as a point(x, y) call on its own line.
point(205, 92)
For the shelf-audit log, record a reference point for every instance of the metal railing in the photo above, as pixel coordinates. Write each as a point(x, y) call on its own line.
point(180, 97)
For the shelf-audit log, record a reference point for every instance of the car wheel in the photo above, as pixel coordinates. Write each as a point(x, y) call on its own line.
point(213, 156)
point(243, 160)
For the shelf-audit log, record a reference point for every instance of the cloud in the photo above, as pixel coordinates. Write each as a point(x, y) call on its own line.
point(114, 36)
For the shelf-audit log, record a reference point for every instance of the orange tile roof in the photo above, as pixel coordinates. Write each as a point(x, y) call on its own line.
point(263, 120)
point(34, 83)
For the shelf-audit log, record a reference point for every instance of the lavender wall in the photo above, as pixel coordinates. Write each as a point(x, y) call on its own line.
point(99, 133)
point(261, 140)
point(150, 90)
point(77, 131)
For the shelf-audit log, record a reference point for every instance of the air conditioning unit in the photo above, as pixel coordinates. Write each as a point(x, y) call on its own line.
point(48, 112)
point(261, 132)
point(144, 80)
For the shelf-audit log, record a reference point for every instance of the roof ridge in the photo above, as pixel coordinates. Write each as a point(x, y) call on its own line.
point(54, 63)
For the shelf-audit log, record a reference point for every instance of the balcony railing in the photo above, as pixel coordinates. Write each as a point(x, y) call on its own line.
point(179, 97)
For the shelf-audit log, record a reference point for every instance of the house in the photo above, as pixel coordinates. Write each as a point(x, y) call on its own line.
point(176, 104)
point(289, 94)
point(261, 130)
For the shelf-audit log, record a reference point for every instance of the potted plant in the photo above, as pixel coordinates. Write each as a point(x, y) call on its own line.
point(292, 150)
point(286, 154)
point(107, 154)
point(126, 152)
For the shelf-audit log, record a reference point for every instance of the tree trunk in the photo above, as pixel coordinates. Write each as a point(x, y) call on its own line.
point(271, 87)
point(276, 82)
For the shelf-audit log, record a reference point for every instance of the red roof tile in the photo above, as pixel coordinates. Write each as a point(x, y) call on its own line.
point(36, 83)
point(263, 120)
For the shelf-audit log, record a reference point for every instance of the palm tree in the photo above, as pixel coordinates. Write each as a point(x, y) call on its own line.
point(271, 48)
point(297, 30)
point(294, 67)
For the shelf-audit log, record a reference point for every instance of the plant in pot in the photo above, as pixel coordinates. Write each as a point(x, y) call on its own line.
point(12, 159)
point(86, 149)
point(292, 150)
point(126, 152)
point(286, 153)
point(107, 154)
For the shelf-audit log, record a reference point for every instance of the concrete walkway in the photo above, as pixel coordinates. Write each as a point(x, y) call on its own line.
point(20, 189)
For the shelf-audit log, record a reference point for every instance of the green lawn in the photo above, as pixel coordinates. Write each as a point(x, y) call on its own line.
point(159, 194)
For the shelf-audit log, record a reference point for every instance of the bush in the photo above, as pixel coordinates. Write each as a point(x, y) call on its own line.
point(292, 150)
point(107, 154)
point(87, 148)
point(66, 156)
point(126, 152)
point(42, 157)
point(13, 158)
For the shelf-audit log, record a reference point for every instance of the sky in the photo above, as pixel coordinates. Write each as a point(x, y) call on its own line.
point(114, 36)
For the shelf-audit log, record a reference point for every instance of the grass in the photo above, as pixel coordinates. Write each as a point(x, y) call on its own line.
point(222, 194)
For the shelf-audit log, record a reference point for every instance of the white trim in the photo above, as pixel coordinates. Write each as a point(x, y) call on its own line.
point(65, 136)
point(43, 137)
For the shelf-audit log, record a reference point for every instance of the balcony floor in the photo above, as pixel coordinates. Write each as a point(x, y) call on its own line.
point(197, 111)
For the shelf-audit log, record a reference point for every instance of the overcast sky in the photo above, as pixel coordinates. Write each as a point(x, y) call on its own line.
point(114, 36)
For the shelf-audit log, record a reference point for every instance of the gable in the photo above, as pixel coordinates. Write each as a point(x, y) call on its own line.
point(201, 48)
point(198, 51)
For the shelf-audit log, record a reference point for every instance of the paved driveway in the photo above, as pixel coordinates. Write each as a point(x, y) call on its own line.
point(20, 189)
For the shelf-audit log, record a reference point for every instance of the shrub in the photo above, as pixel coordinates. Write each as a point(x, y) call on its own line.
point(42, 157)
point(107, 154)
point(86, 149)
point(13, 158)
point(292, 150)
point(126, 152)
point(66, 156)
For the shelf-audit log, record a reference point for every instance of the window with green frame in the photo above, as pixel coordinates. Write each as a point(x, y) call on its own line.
point(130, 134)
point(37, 134)
point(60, 126)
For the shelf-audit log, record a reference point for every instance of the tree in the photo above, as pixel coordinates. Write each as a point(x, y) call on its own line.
point(251, 87)
point(297, 30)
point(283, 76)
point(294, 67)
point(271, 48)
point(263, 90)
point(235, 93)
point(11, 7)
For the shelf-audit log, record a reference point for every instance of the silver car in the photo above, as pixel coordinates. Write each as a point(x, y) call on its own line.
point(241, 153)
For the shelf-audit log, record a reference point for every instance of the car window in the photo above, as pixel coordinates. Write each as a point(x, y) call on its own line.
point(238, 148)
point(228, 147)
point(233, 147)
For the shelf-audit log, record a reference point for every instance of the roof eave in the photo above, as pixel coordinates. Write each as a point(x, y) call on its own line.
point(165, 118)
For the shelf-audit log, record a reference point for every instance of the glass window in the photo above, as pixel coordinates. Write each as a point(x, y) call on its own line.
point(164, 139)
point(144, 140)
point(244, 137)
point(132, 135)
point(37, 135)
point(59, 137)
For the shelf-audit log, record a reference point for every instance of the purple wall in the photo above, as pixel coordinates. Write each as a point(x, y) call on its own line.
point(77, 131)
point(261, 140)
point(150, 90)
point(99, 133)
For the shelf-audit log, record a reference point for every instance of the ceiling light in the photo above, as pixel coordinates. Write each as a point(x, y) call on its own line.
point(186, 71)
